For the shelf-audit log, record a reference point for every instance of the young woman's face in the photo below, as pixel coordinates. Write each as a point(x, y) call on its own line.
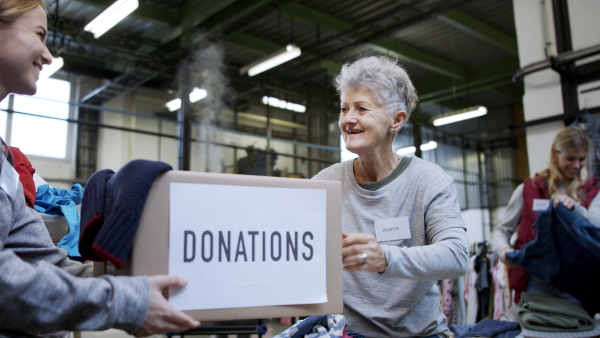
point(24, 52)
point(570, 162)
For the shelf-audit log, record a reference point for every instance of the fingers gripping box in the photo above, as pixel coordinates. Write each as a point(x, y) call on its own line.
point(251, 247)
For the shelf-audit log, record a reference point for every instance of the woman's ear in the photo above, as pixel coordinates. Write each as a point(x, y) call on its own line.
point(399, 119)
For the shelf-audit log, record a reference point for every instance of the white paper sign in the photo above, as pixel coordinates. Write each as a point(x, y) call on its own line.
point(392, 229)
point(540, 204)
point(242, 246)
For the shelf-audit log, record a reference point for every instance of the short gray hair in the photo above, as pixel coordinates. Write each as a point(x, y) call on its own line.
point(384, 77)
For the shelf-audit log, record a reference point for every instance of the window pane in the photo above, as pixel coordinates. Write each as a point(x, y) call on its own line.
point(3, 105)
point(37, 135)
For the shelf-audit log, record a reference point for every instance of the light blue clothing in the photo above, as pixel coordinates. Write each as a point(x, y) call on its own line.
point(56, 201)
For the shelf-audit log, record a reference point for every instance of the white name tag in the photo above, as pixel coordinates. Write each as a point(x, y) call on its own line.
point(392, 229)
point(9, 178)
point(540, 204)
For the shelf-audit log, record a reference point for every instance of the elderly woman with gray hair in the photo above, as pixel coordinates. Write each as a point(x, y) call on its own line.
point(401, 221)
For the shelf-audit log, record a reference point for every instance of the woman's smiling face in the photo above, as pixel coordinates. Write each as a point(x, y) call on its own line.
point(570, 162)
point(364, 124)
point(24, 52)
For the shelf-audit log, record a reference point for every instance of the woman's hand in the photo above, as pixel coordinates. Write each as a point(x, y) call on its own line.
point(567, 201)
point(162, 317)
point(362, 252)
point(507, 261)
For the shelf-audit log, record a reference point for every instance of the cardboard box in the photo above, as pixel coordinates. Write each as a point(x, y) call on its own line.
point(150, 253)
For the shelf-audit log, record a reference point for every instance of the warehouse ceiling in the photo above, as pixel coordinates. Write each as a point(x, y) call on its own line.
point(458, 53)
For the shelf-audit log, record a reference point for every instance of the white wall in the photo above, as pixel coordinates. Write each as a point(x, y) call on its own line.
point(543, 96)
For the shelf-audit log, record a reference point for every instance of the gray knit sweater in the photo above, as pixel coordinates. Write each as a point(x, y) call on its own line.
point(42, 290)
point(404, 300)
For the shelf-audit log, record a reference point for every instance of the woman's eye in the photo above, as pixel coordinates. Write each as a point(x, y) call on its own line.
point(344, 110)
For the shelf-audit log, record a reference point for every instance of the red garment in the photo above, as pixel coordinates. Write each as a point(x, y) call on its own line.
point(26, 171)
point(532, 189)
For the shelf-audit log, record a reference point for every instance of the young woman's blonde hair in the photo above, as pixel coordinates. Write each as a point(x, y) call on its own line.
point(11, 9)
point(569, 138)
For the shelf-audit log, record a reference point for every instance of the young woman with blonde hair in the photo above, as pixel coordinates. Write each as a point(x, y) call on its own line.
point(42, 289)
point(565, 181)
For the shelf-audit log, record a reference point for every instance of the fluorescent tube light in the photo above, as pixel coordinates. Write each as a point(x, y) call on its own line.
point(111, 16)
point(52, 68)
point(428, 146)
point(459, 115)
point(196, 95)
point(173, 105)
point(406, 151)
point(273, 60)
point(411, 150)
point(275, 102)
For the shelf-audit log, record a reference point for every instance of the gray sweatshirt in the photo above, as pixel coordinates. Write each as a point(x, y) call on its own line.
point(403, 301)
point(42, 290)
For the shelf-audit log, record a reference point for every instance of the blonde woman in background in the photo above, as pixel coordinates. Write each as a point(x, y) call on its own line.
point(564, 182)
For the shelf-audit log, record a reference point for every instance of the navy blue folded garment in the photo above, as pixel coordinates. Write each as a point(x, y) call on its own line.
point(111, 209)
point(492, 328)
point(565, 254)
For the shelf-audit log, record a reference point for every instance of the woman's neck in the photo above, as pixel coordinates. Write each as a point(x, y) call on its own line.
point(368, 169)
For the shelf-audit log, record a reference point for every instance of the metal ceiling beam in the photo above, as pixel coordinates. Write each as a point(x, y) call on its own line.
point(229, 16)
point(484, 77)
point(192, 14)
point(252, 43)
point(459, 90)
point(480, 30)
point(265, 47)
point(510, 91)
point(144, 11)
point(382, 44)
point(95, 64)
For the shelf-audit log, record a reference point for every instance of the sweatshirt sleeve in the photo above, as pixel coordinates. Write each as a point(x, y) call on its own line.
point(41, 296)
point(512, 216)
point(446, 254)
point(39, 289)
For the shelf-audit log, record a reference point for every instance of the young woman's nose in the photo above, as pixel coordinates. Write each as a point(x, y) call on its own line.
point(46, 56)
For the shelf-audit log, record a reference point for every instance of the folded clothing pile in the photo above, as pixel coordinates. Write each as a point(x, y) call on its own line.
point(551, 314)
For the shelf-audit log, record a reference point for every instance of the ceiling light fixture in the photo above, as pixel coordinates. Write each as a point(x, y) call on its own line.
point(281, 56)
point(275, 102)
point(196, 95)
point(111, 16)
point(411, 150)
point(458, 115)
point(52, 68)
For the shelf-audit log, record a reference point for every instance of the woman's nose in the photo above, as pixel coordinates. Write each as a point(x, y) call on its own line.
point(46, 56)
point(349, 117)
